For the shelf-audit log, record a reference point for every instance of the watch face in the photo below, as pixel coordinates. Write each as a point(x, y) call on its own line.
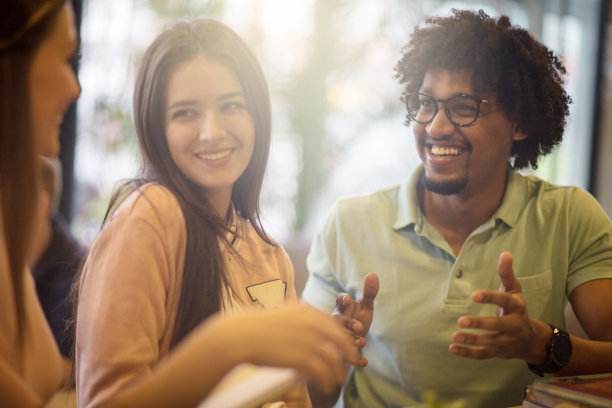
point(561, 348)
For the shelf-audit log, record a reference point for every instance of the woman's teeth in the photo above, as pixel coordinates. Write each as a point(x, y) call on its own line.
point(215, 156)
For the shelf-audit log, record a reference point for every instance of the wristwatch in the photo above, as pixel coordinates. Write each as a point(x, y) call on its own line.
point(558, 353)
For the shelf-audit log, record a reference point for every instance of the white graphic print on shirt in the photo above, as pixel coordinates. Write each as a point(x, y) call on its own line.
point(270, 295)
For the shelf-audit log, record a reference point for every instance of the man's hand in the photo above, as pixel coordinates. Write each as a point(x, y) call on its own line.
point(357, 315)
point(511, 333)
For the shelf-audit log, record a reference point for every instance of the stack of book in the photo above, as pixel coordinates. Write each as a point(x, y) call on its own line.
point(570, 392)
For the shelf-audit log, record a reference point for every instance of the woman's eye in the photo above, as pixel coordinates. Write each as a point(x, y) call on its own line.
point(74, 58)
point(232, 106)
point(184, 114)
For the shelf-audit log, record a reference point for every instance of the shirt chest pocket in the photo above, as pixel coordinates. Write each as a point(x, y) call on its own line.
point(269, 295)
point(537, 292)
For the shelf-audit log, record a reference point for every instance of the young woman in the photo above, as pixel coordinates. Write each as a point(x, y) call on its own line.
point(37, 41)
point(183, 241)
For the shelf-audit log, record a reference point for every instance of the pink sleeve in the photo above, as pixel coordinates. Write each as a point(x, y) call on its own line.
point(124, 309)
point(30, 366)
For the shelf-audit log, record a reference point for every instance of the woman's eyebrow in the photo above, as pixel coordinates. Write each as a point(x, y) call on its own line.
point(182, 103)
point(230, 95)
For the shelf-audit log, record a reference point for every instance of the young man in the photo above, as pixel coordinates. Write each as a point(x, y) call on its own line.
point(467, 242)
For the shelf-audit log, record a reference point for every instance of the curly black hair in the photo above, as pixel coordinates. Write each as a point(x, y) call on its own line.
point(526, 76)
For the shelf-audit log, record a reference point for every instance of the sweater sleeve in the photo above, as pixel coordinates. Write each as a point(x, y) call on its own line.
point(298, 395)
point(286, 271)
point(30, 364)
point(124, 313)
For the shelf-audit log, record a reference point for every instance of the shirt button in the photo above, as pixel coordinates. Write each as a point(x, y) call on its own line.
point(459, 273)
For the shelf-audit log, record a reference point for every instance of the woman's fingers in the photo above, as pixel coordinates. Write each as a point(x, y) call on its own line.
point(297, 336)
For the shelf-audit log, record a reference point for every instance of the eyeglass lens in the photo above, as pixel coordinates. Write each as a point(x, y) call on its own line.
point(461, 110)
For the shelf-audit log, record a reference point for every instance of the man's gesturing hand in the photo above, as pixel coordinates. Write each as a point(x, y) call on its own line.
point(511, 332)
point(357, 315)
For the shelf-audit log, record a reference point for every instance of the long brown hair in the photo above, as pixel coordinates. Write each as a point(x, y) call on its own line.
point(23, 26)
point(204, 273)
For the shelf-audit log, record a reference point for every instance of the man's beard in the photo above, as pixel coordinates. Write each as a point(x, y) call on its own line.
point(444, 187)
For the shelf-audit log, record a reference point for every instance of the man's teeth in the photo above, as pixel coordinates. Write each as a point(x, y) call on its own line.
point(445, 151)
point(215, 156)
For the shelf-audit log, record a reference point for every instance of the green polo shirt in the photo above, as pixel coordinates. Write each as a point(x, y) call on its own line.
point(560, 238)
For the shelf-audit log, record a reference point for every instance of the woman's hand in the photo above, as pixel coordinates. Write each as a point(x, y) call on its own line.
point(296, 336)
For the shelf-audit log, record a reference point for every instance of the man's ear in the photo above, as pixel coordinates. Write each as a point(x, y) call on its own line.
point(518, 133)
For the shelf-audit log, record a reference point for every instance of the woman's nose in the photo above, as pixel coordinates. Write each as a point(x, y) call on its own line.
point(211, 127)
point(74, 87)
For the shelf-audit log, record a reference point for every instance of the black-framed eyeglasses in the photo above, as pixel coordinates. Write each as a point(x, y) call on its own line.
point(462, 110)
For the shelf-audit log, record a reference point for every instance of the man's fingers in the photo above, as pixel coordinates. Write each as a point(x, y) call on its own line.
point(471, 339)
point(343, 300)
point(477, 353)
point(356, 327)
point(483, 323)
point(370, 289)
point(504, 300)
point(359, 342)
point(509, 282)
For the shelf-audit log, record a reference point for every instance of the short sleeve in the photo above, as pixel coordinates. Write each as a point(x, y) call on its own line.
point(323, 285)
point(590, 240)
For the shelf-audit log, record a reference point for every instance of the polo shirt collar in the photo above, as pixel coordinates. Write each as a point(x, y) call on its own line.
point(514, 200)
point(409, 213)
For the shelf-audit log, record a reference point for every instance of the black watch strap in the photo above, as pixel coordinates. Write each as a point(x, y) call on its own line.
point(558, 353)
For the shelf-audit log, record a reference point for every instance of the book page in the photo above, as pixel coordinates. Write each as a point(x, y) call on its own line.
point(248, 386)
